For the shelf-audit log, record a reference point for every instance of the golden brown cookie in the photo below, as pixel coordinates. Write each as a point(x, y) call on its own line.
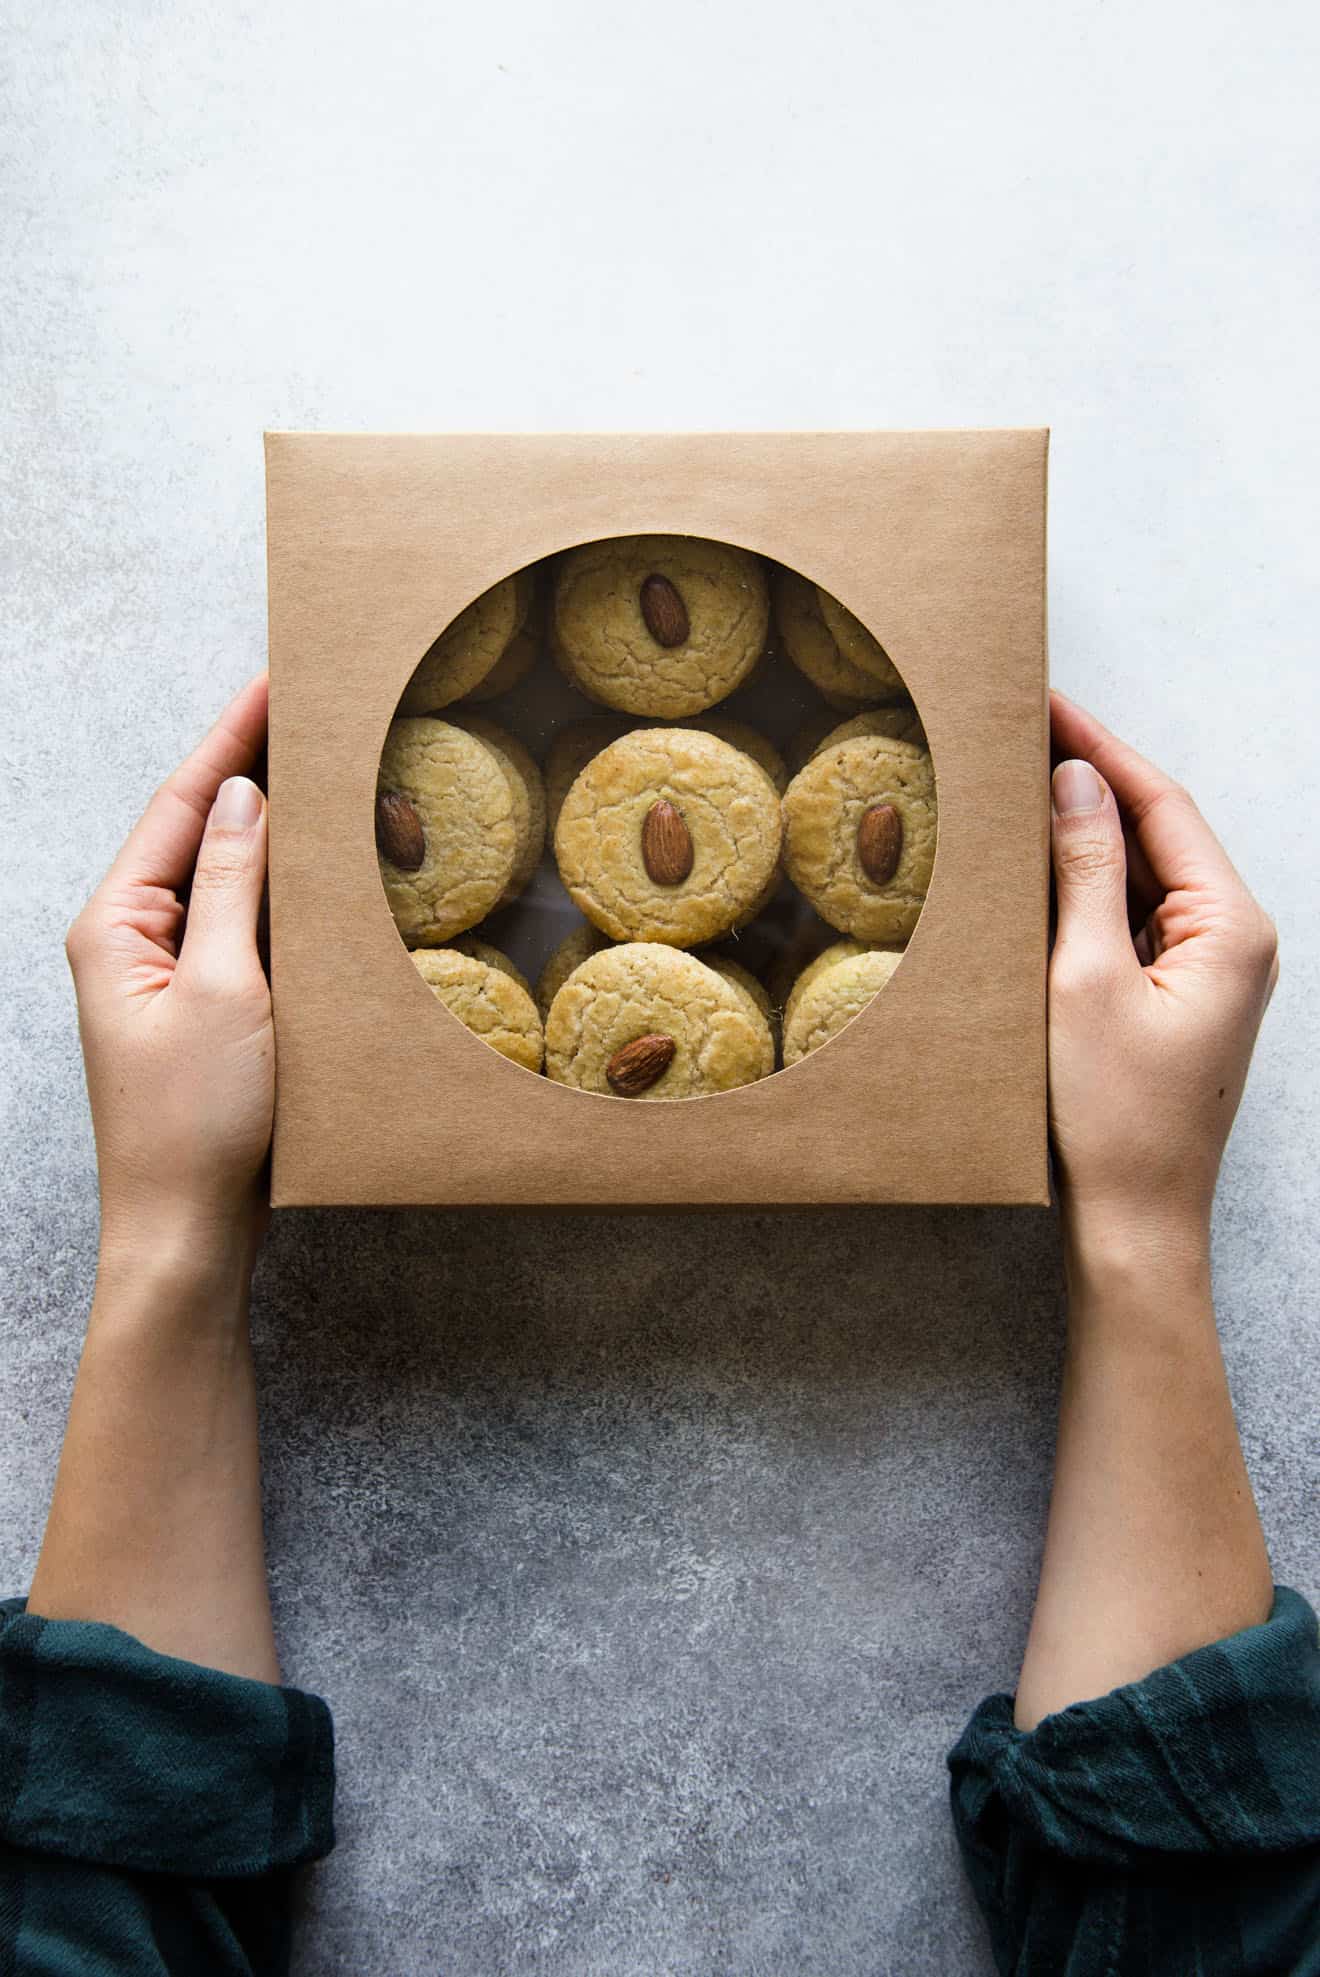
point(569, 754)
point(523, 649)
point(664, 625)
point(835, 996)
point(809, 643)
point(900, 722)
point(487, 1000)
point(572, 951)
point(526, 788)
point(859, 835)
point(858, 646)
point(738, 735)
point(494, 957)
point(445, 830)
point(668, 835)
point(466, 651)
point(645, 1021)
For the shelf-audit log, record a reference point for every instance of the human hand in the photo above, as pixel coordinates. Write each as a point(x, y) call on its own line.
point(1162, 967)
point(174, 1008)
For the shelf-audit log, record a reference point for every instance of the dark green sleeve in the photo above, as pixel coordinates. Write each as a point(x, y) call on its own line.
point(151, 1812)
point(1173, 1825)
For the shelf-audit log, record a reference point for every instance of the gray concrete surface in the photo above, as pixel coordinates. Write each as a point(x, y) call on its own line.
point(651, 1566)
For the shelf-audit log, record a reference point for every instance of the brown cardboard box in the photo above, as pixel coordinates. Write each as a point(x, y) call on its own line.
point(936, 1093)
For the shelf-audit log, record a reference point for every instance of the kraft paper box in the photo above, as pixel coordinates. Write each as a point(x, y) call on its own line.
point(935, 1093)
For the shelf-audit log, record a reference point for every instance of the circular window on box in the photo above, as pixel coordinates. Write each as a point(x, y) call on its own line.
point(656, 818)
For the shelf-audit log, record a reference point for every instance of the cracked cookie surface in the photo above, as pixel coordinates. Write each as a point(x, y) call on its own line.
point(755, 1001)
point(494, 957)
point(640, 989)
point(569, 753)
point(487, 1000)
point(829, 957)
point(601, 635)
point(466, 650)
point(525, 787)
point(574, 746)
point(465, 807)
point(750, 740)
point(731, 813)
point(823, 809)
point(830, 1002)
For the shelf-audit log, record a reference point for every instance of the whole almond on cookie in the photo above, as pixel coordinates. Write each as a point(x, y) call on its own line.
point(667, 850)
point(399, 835)
point(880, 842)
point(663, 609)
point(636, 1066)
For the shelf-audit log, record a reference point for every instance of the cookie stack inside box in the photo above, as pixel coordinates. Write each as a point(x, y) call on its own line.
point(708, 875)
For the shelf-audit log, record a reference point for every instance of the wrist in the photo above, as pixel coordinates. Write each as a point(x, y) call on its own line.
point(1132, 1253)
point(180, 1254)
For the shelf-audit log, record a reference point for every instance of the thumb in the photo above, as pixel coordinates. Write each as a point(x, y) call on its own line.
point(220, 943)
point(1090, 864)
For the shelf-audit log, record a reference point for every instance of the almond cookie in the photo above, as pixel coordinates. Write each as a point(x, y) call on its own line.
point(522, 651)
point(809, 643)
point(900, 722)
point(569, 753)
point(487, 1000)
point(574, 747)
point(833, 999)
point(659, 624)
point(859, 835)
point(668, 835)
point(445, 830)
point(575, 948)
point(738, 735)
point(644, 1021)
point(526, 789)
point(858, 646)
point(494, 957)
point(466, 651)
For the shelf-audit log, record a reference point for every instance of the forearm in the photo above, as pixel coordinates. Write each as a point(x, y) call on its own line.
point(155, 1522)
point(1154, 1545)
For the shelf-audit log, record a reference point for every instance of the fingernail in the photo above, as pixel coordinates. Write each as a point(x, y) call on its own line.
point(1076, 787)
point(237, 805)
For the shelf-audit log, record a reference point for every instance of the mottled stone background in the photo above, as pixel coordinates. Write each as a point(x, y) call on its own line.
point(651, 1565)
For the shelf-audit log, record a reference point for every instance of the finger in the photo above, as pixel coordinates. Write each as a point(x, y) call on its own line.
point(1090, 868)
point(220, 941)
point(161, 848)
point(1179, 846)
